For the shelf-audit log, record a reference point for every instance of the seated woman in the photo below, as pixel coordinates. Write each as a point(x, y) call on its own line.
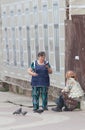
point(71, 94)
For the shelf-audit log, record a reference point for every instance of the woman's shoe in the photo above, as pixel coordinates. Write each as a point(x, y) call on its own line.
point(66, 109)
point(56, 109)
point(45, 109)
point(38, 110)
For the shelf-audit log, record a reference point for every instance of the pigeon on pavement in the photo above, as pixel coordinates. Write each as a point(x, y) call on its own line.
point(18, 111)
point(24, 113)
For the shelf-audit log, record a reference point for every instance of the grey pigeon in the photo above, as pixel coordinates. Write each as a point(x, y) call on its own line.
point(24, 113)
point(18, 111)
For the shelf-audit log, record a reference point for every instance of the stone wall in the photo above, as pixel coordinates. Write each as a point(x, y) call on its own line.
point(23, 87)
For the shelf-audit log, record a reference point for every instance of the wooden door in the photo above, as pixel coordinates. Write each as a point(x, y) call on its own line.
point(75, 46)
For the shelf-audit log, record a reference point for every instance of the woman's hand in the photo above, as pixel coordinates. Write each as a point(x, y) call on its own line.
point(65, 90)
point(32, 73)
point(49, 69)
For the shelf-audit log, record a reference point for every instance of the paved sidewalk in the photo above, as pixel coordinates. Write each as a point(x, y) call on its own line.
point(10, 102)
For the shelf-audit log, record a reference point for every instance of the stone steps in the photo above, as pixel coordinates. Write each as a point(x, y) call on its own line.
point(15, 88)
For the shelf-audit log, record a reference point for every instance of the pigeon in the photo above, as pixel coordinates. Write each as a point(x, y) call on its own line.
point(18, 111)
point(24, 113)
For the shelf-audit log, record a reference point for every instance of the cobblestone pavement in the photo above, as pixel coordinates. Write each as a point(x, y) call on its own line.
point(10, 102)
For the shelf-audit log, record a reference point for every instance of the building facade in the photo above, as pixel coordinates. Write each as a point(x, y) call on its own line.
point(76, 7)
point(27, 27)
